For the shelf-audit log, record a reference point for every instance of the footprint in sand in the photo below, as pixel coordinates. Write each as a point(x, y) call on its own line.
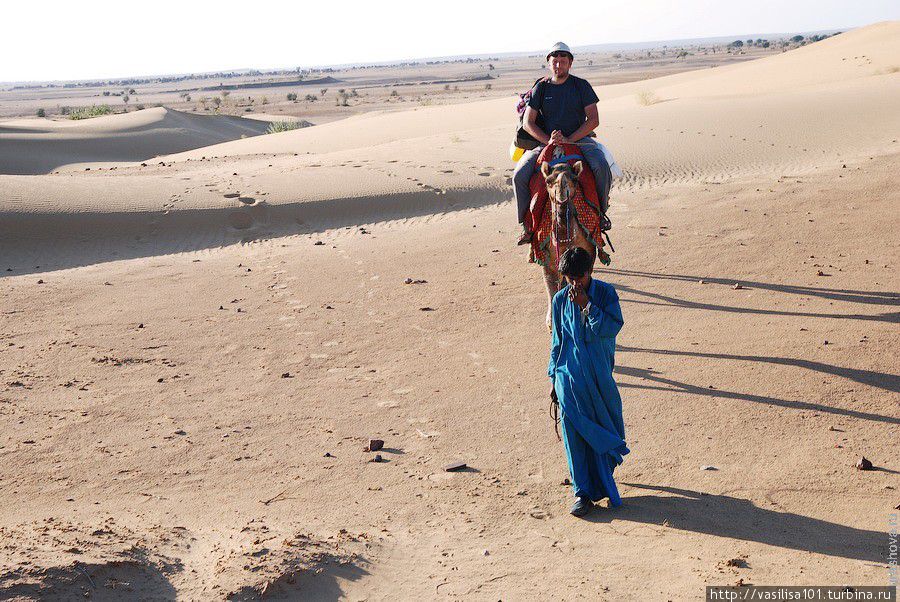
point(446, 171)
point(484, 173)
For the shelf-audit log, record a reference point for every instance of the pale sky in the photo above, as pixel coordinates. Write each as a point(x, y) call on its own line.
point(103, 39)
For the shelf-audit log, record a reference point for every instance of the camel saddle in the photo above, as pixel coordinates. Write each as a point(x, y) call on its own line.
point(539, 218)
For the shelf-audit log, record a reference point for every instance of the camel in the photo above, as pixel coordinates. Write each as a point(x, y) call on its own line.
point(566, 232)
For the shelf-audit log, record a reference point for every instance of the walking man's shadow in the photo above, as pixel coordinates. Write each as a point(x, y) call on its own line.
point(736, 518)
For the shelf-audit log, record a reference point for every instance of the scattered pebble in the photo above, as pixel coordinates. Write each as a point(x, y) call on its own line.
point(707, 467)
point(377, 458)
point(286, 375)
point(426, 308)
point(737, 286)
point(864, 464)
point(375, 445)
point(455, 466)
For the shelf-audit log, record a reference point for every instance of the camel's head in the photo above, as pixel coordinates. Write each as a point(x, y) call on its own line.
point(561, 180)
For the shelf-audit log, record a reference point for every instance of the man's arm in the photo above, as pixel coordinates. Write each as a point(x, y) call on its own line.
point(530, 125)
point(593, 121)
point(605, 318)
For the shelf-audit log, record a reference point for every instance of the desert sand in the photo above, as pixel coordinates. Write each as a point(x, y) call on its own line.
point(196, 347)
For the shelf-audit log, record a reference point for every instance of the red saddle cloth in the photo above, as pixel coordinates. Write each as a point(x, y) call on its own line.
point(539, 218)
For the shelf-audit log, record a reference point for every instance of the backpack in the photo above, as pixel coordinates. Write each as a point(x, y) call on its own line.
point(524, 140)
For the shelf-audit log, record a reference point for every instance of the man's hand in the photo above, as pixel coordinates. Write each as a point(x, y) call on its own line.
point(556, 137)
point(578, 296)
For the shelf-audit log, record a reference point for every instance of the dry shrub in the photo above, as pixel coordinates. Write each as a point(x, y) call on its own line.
point(647, 98)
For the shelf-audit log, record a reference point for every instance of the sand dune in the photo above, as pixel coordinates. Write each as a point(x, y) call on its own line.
point(443, 157)
point(194, 353)
point(38, 146)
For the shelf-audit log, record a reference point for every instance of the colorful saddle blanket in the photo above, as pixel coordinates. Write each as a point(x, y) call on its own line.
point(585, 203)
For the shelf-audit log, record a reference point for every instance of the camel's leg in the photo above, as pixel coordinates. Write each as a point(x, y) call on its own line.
point(551, 280)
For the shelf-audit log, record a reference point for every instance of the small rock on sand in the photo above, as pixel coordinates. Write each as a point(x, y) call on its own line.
point(708, 467)
point(864, 464)
point(455, 466)
point(375, 445)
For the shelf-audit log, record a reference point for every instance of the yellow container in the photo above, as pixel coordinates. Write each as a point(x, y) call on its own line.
point(515, 153)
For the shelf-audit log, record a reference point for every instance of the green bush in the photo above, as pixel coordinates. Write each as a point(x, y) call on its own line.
point(41, 113)
point(89, 112)
point(285, 126)
point(291, 96)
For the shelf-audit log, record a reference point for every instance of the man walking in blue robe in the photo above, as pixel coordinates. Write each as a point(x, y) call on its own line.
point(586, 320)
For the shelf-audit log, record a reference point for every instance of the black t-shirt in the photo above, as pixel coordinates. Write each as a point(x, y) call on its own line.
point(562, 105)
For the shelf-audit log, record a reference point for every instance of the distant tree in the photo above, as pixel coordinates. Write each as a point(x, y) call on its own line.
point(591, 62)
point(491, 67)
point(797, 39)
point(323, 91)
point(130, 91)
point(106, 93)
point(487, 86)
point(681, 54)
point(737, 44)
point(749, 42)
point(766, 44)
point(41, 113)
point(292, 96)
point(125, 99)
point(187, 98)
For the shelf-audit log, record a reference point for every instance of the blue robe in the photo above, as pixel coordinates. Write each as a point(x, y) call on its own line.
point(582, 358)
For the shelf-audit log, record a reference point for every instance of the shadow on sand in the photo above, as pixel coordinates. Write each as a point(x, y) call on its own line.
point(674, 386)
point(736, 518)
point(39, 242)
point(880, 380)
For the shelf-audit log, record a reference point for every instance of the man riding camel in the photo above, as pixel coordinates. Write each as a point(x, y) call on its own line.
point(565, 106)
